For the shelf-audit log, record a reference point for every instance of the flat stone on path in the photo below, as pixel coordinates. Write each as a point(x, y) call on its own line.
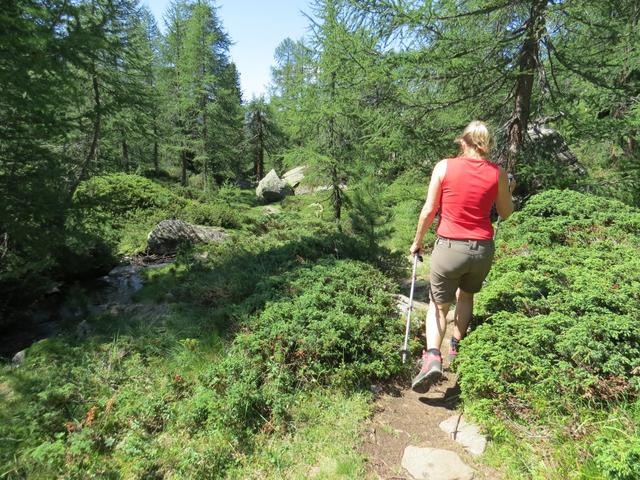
point(435, 464)
point(466, 434)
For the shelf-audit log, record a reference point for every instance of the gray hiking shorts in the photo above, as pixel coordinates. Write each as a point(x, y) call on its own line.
point(460, 264)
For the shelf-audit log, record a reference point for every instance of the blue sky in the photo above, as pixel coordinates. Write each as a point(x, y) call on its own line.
point(256, 27)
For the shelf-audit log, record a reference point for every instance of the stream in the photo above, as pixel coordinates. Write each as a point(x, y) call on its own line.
point(71, 305)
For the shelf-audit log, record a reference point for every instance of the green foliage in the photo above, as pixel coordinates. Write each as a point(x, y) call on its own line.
point(336, 328)
point(368, 213)
point(405, 197)
point(113, 214)
point(255, 329)
point(558, 337)
point(616, 448)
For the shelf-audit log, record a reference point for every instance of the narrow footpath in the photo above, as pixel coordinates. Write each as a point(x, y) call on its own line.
point(425, 436)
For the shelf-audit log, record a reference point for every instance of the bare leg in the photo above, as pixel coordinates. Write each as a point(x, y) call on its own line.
point(464, 309)
point(436, 323)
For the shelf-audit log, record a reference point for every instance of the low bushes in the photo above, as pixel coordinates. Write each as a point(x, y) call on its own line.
point(558, 334)
point(111, 216)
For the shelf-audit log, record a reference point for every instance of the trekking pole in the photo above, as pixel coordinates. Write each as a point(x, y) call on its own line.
point(405, 350)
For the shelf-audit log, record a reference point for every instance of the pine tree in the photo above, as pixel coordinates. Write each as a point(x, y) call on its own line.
point(205, 106)
point(262, 133)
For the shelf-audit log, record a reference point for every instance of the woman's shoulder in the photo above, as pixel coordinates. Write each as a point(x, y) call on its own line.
point(441, 166)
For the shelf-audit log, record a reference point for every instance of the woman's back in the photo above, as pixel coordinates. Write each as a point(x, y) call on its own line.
point(469, 189)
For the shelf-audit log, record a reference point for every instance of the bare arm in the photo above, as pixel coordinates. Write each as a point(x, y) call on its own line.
point(504, 204)
point(431, 205)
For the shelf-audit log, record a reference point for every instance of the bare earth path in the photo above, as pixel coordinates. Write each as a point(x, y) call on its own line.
point(403, 417)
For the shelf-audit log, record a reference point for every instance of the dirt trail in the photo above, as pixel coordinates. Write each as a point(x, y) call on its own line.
point(403, 417)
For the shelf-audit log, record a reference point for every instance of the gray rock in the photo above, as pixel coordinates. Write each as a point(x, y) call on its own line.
point(548, 141)
point(294, 176)
point(168, 234)
point(244, 184)
point(435, 464)
point(305, 189)
point(18, 358)
point(269, 210)
point(271, 188)
point(376, 389)
point(466, 434)
point(402, 304)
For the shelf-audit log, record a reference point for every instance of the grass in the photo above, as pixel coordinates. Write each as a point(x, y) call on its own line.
point(321, 446)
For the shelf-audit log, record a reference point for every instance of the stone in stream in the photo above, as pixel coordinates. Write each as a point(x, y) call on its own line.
point(168, 234)
point(466, 434)
point(271, 188)
point(435, 464)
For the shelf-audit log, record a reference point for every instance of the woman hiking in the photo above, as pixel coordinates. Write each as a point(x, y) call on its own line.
point(463, 189)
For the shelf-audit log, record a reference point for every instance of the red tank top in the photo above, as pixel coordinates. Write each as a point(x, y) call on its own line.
point(469, 189)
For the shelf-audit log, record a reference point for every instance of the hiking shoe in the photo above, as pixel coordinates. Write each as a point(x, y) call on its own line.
point(453, 350)
point(430, 372)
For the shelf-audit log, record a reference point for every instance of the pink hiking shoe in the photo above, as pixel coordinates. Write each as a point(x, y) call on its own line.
point(430, 372)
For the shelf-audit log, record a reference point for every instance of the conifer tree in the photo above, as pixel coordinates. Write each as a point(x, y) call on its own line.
point(262, 133)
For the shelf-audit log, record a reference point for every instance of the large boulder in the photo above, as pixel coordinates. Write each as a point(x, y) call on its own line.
point(168, 234)
point(272, 188)
point(294, 176)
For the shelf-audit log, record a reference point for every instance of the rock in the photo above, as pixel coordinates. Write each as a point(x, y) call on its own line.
point(269, 210)
point(168, 234)
point(18, 358)
point(244, 184)
point(376, 389)
point(271, 188)
point(294, 176)
point(466, 434)
point(201, 256)
point(402, 304)
point(304, 189)
point(83, 329)
point(435, 464)
point(549, 142)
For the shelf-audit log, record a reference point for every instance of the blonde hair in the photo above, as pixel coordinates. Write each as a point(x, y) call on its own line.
point(477, 136)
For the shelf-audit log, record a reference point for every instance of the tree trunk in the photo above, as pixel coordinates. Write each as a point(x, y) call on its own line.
point(183, 180)
point(156, 159)
point(125, 154)
point(260, 162)
point(527, 63)
point(93, 148)
point(336, 194)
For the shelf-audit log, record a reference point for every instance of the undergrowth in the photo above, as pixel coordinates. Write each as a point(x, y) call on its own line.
point(554, 360)
point(223, 364)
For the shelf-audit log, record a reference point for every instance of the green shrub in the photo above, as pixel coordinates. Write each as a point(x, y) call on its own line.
point(112, 215)
point(368, 214)
point(339, 326)
point(558, 339)
point(616, 448)
point(406, 196)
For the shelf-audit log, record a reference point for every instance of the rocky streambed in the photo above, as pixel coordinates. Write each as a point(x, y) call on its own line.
point(70, 304)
